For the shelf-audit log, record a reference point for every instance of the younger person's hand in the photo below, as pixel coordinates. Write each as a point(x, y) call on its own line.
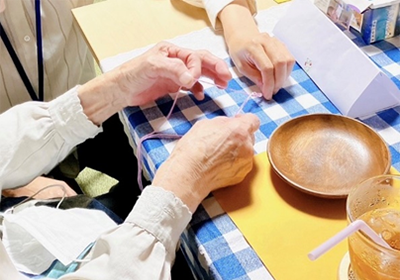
point(263, 59)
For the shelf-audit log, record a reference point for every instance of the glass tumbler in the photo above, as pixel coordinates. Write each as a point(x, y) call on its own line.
point(377, 202)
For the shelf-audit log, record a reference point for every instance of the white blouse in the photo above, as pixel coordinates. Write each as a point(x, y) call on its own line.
point(34, 137)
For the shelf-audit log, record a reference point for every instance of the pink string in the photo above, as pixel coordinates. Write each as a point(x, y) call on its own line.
point(156, 134)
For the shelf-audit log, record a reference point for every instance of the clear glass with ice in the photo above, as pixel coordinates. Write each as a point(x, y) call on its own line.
point(377, 202)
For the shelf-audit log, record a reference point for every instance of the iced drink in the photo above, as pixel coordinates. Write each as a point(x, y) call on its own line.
point(376, 201)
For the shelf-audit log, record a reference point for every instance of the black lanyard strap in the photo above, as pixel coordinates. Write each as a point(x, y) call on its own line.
point(17, 62)
point(39, 48)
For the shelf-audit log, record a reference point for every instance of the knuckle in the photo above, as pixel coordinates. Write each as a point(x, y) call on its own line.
point(267, 68)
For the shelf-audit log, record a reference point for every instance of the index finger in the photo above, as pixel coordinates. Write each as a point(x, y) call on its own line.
point(202, 62)
point(214, 68)
point(189, 57)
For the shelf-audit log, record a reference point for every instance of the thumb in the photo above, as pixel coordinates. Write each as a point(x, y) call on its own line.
point(175, 70)
point(186, 79)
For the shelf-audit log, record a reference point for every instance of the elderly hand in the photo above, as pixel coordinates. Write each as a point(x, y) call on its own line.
point(262, 58)
point(163, 69)
point(166, 68)
point(214, 154)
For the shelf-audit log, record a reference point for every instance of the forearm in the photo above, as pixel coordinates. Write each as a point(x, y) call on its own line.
point(214, 7)
point(232, 27)
point(174, 167)
point(101, 98)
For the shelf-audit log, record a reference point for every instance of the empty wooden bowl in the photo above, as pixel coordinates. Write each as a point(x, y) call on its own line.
point(326, 155)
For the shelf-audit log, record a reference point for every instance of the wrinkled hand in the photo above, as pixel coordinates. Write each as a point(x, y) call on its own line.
point(214, 154)
point(163, 69)
point(38, 184)
point(166, 68)
point(263, 59)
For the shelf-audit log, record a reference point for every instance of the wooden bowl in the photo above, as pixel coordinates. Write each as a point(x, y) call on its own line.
point(326, 155)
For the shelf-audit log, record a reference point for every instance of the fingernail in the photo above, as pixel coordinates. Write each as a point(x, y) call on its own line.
point(186, 79)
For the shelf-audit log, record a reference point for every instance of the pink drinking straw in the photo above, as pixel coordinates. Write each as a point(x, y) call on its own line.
point(346, 232)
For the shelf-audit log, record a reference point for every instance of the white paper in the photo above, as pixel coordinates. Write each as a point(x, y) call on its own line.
point(342, 71)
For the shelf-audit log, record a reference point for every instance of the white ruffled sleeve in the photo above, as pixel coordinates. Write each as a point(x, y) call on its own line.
point(144, 246)
point(36, 136)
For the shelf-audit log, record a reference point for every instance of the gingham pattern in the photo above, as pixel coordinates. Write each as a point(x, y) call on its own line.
point(213, 244)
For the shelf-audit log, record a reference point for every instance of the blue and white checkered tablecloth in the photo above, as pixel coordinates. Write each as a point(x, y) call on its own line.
point(212, 243)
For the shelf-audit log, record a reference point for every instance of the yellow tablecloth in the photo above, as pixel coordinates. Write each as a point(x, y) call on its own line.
point(283, 224)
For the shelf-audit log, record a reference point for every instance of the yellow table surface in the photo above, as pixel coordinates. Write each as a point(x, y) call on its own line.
point(283, 224)
point(115, 26)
